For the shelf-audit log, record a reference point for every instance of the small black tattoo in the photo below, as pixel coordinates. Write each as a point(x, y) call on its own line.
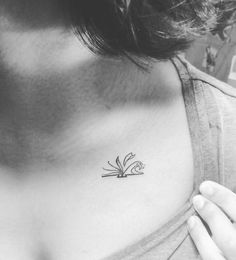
point(123, 170)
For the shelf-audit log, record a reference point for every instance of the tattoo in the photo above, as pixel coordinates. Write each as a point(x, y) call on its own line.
point(122, 170)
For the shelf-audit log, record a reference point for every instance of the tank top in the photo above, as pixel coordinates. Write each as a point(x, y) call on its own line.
point(211, 113)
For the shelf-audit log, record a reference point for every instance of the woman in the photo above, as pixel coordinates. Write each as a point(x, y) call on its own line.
point(102, 154)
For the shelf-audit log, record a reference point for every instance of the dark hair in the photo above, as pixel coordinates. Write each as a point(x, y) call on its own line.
point(156, 29)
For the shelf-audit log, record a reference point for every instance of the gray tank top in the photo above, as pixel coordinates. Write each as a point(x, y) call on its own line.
point(211, 113)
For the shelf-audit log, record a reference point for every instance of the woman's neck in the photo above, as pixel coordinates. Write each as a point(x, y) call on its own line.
point(52, 87)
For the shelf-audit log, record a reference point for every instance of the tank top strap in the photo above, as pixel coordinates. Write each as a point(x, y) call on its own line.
point(204, 124)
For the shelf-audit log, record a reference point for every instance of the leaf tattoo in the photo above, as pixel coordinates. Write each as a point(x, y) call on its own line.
point(119, 163)
point(128, 157)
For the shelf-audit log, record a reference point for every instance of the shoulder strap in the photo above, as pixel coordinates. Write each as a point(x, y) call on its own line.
point(206, 131)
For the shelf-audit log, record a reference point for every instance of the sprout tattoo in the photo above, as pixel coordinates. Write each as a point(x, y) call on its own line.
point(122, 170)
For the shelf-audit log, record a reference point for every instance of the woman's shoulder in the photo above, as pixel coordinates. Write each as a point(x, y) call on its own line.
point(220, 99)
point(218, 95)
point(219, 88)
point(216, 101)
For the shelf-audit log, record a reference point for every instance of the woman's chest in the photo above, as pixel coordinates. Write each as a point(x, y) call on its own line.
point(75, 212)
point(93, 217)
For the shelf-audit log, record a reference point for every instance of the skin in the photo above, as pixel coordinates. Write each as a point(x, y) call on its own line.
point(217, 206)
point(69, 112)
point(36, 192)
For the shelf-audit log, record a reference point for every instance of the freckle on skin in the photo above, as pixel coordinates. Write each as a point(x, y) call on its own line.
point(43, 254)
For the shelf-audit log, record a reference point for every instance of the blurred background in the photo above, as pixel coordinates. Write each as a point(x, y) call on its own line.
point(215, 54)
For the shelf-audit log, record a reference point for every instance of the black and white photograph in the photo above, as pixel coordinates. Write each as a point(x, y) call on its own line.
point(118, 130)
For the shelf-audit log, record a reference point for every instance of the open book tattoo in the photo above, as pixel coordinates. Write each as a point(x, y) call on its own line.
point(126, 168)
